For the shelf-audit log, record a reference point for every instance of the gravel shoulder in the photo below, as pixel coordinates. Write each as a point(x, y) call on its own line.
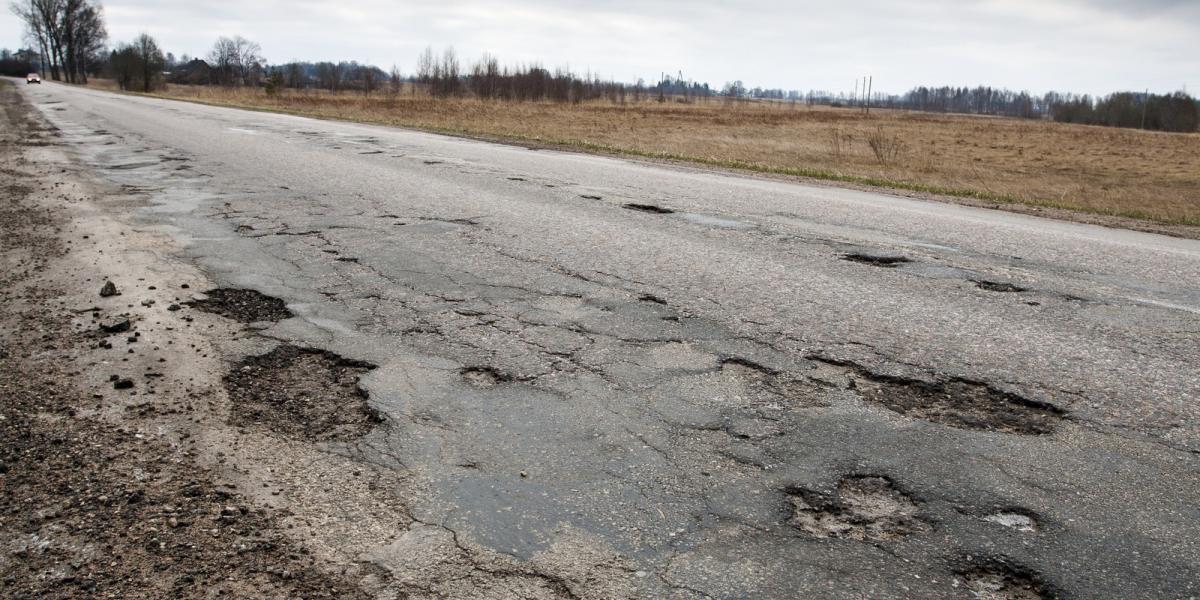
point(109, 482)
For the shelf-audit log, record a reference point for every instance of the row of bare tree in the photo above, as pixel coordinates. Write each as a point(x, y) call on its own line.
point(70, 34)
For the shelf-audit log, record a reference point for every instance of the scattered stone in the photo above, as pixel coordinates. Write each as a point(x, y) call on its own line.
point(109, 289)
point(116, 327)
point(123, 384)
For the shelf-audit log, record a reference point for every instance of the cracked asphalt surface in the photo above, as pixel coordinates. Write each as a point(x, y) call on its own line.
point(639, 380)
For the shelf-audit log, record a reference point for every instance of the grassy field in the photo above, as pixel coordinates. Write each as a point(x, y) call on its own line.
point(1120, 172)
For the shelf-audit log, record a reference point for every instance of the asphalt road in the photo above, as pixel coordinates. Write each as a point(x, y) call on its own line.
point(714, 397)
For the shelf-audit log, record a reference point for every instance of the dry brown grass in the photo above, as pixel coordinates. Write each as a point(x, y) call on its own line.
point(1145, 175)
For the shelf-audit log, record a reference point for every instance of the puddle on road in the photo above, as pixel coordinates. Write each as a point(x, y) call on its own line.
point(863, 508)
point(301, 393)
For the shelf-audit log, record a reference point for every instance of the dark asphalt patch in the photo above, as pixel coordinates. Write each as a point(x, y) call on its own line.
point(246, 306)
point(863, 508)
point(998, 286)
point(887, 262)
point(956, 402)
point(650, 208)
point(301, 393)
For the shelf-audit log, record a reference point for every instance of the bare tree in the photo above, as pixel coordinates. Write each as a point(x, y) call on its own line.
point(394, 81)
point(369, 79)
point(150, 60)
point(85, 35)
point(70, 34)
point(426, 66)
point(293, 75)
point(42, 25)
point(236, 61)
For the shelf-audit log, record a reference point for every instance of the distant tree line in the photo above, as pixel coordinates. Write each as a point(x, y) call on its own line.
point(1168, 112)
point(1177, 112)
point(69, 34)
point(20, 63)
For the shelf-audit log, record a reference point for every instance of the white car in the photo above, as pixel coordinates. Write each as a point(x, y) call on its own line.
point(33, 78)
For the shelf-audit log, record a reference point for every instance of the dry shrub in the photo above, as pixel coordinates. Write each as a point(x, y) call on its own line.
point(887, 148)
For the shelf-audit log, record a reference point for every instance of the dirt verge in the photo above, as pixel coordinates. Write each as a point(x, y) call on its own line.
point(95, 501)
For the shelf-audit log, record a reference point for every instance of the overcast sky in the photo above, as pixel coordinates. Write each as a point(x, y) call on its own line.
point(1093, 46)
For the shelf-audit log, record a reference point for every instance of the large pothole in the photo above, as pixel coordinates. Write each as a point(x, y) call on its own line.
point(999, 581)
point(302, 393)
point(863, 508)
point(956, 402)
point(246, 306)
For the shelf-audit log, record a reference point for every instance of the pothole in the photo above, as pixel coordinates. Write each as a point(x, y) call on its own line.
point(484, 376)
point(1019, 521)
point(887, 262)
point(650, 208)
point(771, 386)
point(246, 306)
point(999, 581)
point(960, 403)
point(998, 286)
point(863, 508)
point(302, 393)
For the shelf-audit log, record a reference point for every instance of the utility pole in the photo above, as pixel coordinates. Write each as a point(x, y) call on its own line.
point(870, 85)
point(854, 98)
point(1145, 103)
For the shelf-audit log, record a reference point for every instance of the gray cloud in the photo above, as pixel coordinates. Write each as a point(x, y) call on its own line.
point(1093, 46)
